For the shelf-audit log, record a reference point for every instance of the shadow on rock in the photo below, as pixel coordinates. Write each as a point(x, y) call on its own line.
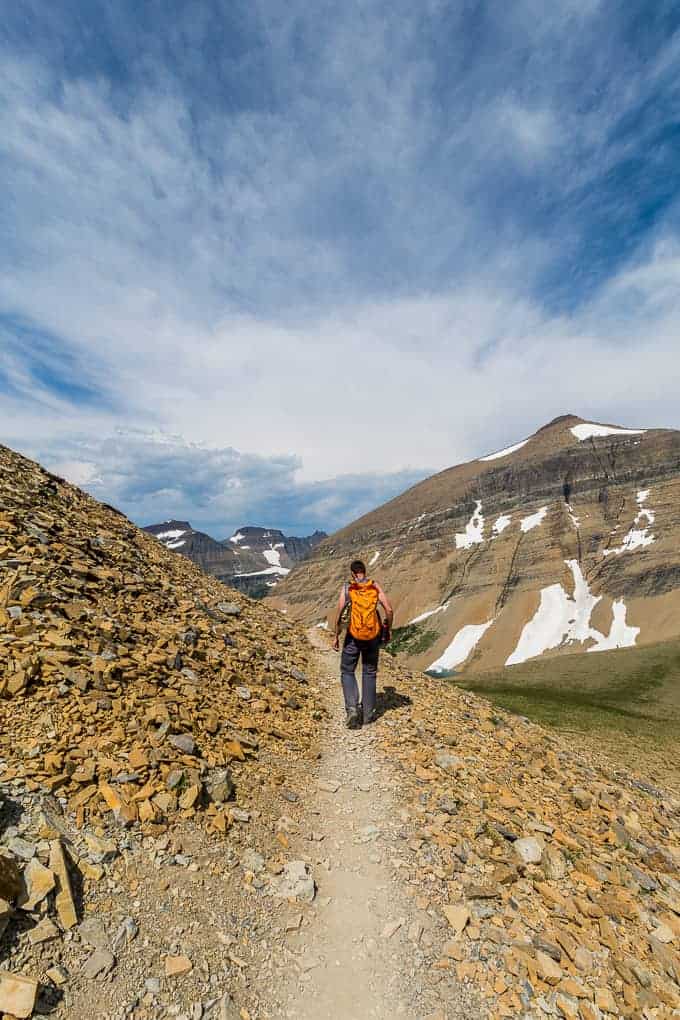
point(388, 700)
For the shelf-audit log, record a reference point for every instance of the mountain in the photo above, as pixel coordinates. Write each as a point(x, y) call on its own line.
point(568, 540)
point(252, 560)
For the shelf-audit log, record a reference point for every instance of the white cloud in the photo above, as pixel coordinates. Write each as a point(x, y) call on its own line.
point(343, 278)
point(534, 131)
point(155, 476)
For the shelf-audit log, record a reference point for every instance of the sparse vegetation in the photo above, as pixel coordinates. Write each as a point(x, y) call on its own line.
point(411, 639)
point(625, 703)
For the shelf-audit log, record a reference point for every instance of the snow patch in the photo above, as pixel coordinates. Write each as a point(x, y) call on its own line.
point(561, 618)
point(474, 529)
point(374, 558)
point(460, 648)
point(430, 612)
point(175, 545)
point(587, 430)
point(639, 536)
point(272, 556)
point(281, 571)
point(238, 537)
point(501, 523)
point(172, 535)
point(572, 517)
point(506, 452)
point(533, 520)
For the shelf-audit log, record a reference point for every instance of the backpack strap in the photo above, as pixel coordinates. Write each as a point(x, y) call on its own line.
point(347, 608)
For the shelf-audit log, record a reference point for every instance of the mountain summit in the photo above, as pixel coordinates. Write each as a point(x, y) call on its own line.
point(566, 540)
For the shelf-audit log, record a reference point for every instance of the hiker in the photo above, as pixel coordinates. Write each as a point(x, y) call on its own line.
point(365, 632)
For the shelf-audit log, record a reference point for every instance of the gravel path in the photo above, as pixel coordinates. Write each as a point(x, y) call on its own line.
point(365, 949)
point(352, 961)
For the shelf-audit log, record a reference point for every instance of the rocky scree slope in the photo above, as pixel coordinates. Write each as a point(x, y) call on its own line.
point(569, 540)
point(253, 560)
point(140, 703)
point(545, 880)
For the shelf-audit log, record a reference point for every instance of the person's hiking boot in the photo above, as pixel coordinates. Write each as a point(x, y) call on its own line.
point(354, 718)
point(365, 719)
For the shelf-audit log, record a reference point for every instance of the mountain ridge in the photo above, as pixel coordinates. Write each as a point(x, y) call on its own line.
point(251, 560)
point(577, 520)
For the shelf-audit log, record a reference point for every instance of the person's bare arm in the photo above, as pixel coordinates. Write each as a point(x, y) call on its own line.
point(341, 605)
point(386, 604)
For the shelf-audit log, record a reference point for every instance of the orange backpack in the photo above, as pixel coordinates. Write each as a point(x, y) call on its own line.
point(364, 621)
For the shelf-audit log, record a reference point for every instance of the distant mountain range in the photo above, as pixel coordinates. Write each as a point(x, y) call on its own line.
point(252, 560)
point(566, 541)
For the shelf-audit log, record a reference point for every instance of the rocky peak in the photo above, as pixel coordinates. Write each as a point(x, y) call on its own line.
point(253, 559)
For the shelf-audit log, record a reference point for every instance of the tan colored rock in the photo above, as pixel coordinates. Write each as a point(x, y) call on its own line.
point(582, 798)
point(583, 959)
point(547, 969)
point(64, 902)
point(38, 882)
point(567, 1007)
point(574, 988)
point(98, 964)
point(17, 994)
point(43, 931)
point(104, 849)
point(124, 812)
point(554, 864)
point(177, 966)
point(189, 797)
point(664, 934)
point(458, 915)
point(57, 975)
point(605, 1001)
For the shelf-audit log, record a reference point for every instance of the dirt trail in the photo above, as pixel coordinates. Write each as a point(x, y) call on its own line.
point(354, 961)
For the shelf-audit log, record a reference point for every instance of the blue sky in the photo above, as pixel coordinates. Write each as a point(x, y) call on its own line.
point(270, 263)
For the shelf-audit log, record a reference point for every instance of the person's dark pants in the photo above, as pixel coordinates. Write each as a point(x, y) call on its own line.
point(369, 651)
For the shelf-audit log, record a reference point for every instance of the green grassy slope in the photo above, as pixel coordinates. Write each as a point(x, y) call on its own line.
point(625, 703)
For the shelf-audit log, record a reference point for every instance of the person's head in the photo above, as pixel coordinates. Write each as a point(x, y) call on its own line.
point(358, 569)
